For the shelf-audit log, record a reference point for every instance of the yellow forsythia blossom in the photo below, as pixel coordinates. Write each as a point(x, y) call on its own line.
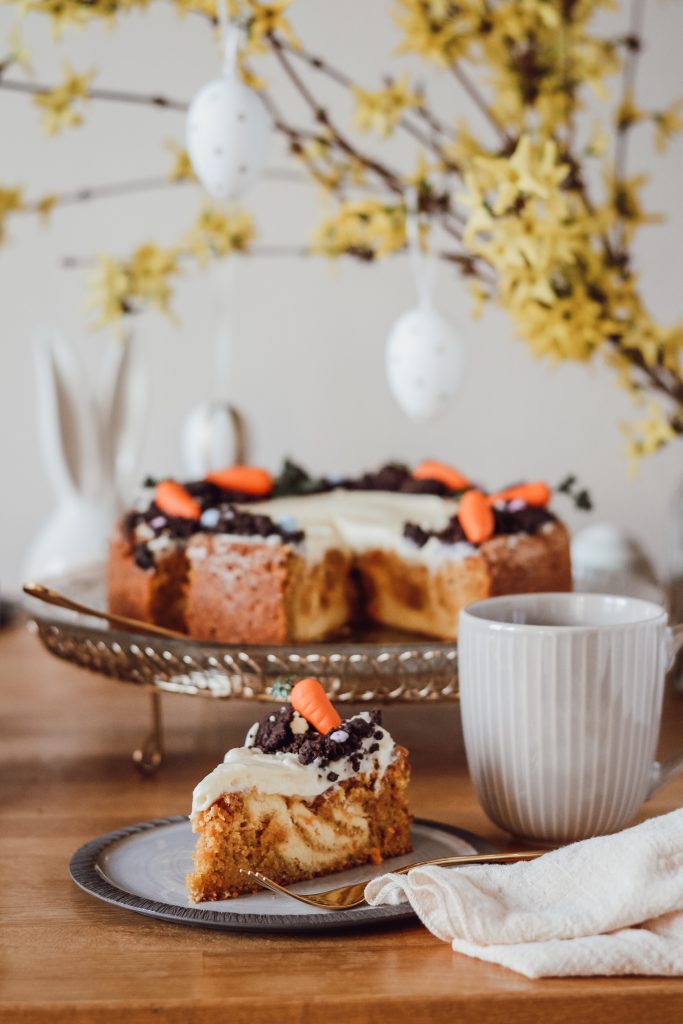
point(381, 111)
point(366, 228)
point(126, 286)
point(181, 168)
point(646, 436)
point(626, 207)
point(437, 29)
point(262, 19)
point(668, 123)
point(218, 233)
point(45, 205)
point(566, 298)
point(58, 104)
point(10, 202)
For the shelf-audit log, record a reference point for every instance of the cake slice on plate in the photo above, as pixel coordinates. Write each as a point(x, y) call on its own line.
point(308, 794)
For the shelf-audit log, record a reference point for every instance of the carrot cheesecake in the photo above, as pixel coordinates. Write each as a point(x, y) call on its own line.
point(308, 794)
point(241, 557)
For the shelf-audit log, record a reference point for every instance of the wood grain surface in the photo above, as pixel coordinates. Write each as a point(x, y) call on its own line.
point(66, 776)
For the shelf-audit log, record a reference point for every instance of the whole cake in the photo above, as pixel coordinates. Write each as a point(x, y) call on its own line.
point(306, 795)
point(241, 557)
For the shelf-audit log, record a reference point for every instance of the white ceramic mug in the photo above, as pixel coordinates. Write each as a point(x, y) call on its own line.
point(561, 698)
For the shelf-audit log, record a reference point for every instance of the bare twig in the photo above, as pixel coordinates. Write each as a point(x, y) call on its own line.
point(633, 43)
point(390, 178)
point(265, 251)
point(91, 192)
point(342, 79)
point(95, 93)
point(125, 188)
point(463, 260)
point(667, 383)
point(478, 100)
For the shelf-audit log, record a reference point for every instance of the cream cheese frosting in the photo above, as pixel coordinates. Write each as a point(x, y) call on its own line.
point(355, 521)
point(361, 521)
point(248, 767)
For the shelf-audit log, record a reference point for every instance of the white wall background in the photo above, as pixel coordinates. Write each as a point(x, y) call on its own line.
point(308, 368)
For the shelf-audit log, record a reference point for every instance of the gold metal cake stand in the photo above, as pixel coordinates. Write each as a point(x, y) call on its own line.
point(375, 665)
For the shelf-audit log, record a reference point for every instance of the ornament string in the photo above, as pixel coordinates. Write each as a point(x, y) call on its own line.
point(421, 258)
point(225, 332)
point(230, 35)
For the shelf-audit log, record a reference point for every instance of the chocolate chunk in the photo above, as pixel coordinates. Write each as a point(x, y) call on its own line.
point(274, 731)
point(524, 520)
point(143, 557)
point(332, 776)
point(389, 478)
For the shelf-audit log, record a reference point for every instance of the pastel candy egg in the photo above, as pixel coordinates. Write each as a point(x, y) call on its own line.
point(424, 363)
point(227, 137)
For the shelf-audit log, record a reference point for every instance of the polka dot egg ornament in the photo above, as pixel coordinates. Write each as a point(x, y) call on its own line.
point(424, 362)
point(228, 130)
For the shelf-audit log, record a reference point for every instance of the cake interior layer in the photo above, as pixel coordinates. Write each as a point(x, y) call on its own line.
point(291, 839)
point(225, 589)
point(264, 593)
point(410, 597)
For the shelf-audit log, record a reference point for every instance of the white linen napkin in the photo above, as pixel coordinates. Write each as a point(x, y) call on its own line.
point(608, 905)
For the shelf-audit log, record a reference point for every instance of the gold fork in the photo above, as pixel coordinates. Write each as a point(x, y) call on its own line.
point(344, 897)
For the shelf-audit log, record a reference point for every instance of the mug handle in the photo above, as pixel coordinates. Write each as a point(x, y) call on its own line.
point(664, 771)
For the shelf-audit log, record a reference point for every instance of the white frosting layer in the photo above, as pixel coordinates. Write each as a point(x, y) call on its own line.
point(247, 768)
point(368, 520)
point(355, 521)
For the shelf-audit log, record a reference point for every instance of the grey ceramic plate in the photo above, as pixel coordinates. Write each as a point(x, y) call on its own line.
point(143, 868)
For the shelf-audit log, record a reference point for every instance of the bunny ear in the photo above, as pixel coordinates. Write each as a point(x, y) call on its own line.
point(62, 412)
point(122, 411)
point(111, 404)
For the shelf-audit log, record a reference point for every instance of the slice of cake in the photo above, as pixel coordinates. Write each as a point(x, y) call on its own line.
point(308, 794)
point(242, 558)
point(220, 568)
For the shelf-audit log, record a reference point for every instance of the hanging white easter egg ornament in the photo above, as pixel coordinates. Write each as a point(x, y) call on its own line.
point(424, 363)
point(228, 130)
point(424, 355)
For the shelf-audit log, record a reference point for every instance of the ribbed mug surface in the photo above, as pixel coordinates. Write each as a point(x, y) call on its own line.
point(561, 699)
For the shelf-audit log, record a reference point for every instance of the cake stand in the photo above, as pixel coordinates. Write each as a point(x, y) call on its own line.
point(377, 665)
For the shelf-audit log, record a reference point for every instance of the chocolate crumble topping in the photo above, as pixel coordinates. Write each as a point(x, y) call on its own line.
point(226, 518)
point(396, 477)
point(525, 520)
point(273, 737)
point(220, 514)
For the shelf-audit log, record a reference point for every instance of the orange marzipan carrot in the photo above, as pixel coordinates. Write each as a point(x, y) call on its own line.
point(430, 470)
point(476, 517)
point(247, 479)
point(311, 701)
point(536, 493)
point(174, 500)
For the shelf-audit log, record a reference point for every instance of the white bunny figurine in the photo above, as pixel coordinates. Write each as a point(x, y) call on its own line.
point(90, 440)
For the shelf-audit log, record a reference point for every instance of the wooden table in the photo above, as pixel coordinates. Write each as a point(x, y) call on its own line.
point(66, 737)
